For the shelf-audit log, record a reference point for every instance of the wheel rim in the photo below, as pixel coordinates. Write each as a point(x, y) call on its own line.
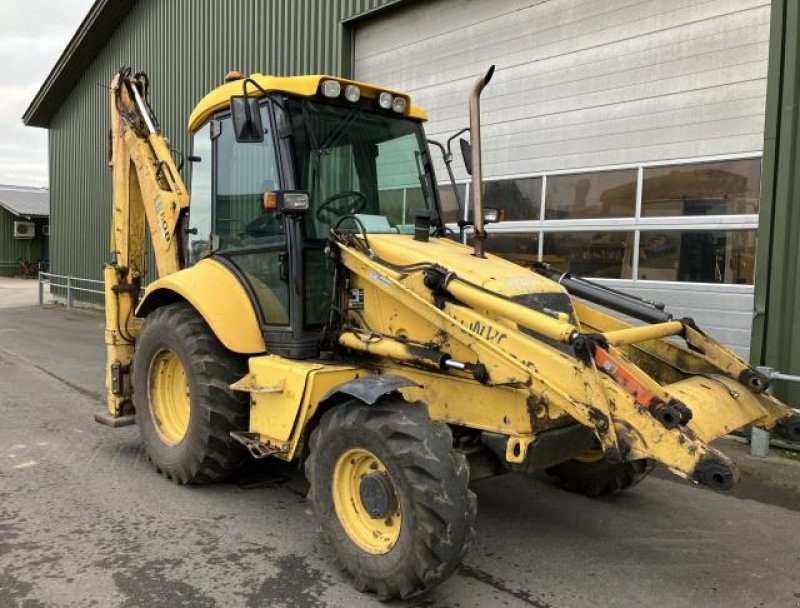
point(359, 475)
point(169, 397)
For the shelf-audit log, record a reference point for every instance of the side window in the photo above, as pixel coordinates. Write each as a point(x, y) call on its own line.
point(200, 209)
point(244, 172)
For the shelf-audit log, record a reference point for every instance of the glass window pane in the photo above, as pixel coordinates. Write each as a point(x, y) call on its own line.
point(520, 247)
point(591, 195)
point(519, 198)
point(698, 255)
point(363, 170)
point(447, 198)
point(200, 211)
point(319, 284)
point(720, 188)
point(591, 254)
point(244, 172)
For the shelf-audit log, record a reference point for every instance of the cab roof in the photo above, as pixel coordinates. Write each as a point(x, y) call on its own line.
point(303, 86)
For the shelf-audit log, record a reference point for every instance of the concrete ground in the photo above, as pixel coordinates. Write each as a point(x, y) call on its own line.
point(85, 521)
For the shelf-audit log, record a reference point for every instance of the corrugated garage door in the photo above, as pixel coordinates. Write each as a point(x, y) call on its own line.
point(584, 85)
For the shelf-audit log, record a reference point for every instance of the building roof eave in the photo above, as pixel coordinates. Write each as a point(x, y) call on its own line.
point(94, 30)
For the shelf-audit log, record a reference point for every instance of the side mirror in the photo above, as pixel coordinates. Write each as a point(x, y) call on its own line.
point(246, 116)
point(466, 154)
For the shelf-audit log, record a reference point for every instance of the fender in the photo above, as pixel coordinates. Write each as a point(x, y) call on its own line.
point(220, 299)
point(370, 388)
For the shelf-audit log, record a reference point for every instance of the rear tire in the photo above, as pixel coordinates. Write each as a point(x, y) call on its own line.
point(425, 533)
point(191, 446)
point(600, 478)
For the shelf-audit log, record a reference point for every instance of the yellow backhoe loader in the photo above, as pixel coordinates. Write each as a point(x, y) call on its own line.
point(313, 307)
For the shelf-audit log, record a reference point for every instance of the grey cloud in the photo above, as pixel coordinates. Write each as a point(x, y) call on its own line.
point(33, 33)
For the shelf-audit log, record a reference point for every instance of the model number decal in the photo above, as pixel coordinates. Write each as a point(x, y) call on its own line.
point(488, 332)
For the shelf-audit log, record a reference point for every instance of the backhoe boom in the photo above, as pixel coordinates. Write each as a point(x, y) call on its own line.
point(147, 189)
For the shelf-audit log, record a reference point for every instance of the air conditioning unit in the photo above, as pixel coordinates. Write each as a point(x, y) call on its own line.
point(45, 229)
point(24, 230)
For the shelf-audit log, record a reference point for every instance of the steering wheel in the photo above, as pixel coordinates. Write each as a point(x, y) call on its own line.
point(327, 211)
point(263, 225)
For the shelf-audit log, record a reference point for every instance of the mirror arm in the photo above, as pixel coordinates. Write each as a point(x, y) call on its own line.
point(448, 161)
point(452, 137)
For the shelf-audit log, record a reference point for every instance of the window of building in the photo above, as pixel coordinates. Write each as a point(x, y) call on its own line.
point(591, 195)
point(596, 254)
point(728, 187)
point(693, 222)
point(520, 247)
point(519, 199)
point(700, 256)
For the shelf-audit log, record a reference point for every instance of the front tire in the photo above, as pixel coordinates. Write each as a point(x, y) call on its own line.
point(185, 408)
point(391, 496)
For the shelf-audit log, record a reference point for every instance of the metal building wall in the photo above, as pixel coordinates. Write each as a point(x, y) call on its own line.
point(186, 46)
point(12, 249)
point(776, 328)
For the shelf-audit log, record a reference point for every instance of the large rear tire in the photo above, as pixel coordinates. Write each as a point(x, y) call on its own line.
point(391, 496)
point(185, 408)
point(600, 478)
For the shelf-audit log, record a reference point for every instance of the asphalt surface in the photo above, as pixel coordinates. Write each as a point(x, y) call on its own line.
point(86, 521)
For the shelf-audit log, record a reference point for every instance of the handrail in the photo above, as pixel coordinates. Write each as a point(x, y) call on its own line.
point(68, 283)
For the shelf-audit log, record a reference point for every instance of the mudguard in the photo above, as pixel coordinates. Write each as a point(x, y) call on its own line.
point(371, 388)
point(220, 299)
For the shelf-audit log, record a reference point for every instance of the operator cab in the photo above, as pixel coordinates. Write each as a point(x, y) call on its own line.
point(281, 161)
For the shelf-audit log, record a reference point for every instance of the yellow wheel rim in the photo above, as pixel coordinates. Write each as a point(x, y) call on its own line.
point(169, 397)
point(374, 533)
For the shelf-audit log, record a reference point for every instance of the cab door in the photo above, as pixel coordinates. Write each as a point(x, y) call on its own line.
point(249, 239)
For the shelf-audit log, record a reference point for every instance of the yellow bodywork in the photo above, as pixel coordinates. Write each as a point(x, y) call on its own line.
point(148, 192)
point(219, 298)
point(531, 386)
point(455, 328)
point(303, 86)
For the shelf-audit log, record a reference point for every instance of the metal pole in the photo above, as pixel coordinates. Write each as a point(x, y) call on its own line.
point(69, 292)
point(759, 438)
point(41, 289)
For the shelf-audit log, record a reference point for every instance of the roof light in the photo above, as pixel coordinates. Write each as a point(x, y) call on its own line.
point(352, 93)
point(331, 88)
point(399, 105)
point(385, 100)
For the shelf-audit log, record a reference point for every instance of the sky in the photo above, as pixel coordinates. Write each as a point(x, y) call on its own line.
point(33, 33)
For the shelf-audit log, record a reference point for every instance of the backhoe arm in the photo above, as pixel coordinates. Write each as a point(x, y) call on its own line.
point(147, 189)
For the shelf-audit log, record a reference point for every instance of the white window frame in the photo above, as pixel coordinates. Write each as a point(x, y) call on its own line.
point(634, 224)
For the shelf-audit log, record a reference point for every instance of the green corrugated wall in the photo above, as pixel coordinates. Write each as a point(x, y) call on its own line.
point(776, 327)
point(12, 249)
point(187, 47)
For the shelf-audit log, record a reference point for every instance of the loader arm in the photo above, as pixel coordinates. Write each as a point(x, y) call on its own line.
point(147, 189)
point(464, 319)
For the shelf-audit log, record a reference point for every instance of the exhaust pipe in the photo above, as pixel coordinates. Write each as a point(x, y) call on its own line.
point(477, 172)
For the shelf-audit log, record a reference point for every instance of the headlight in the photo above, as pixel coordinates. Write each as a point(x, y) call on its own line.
point(385, 100)
point(399, 105)
point(352, 93)
point(331, 88)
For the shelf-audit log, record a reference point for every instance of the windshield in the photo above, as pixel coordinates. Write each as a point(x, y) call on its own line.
point(354, 160)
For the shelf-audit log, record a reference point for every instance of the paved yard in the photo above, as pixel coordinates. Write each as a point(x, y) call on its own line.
point(85, 521)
